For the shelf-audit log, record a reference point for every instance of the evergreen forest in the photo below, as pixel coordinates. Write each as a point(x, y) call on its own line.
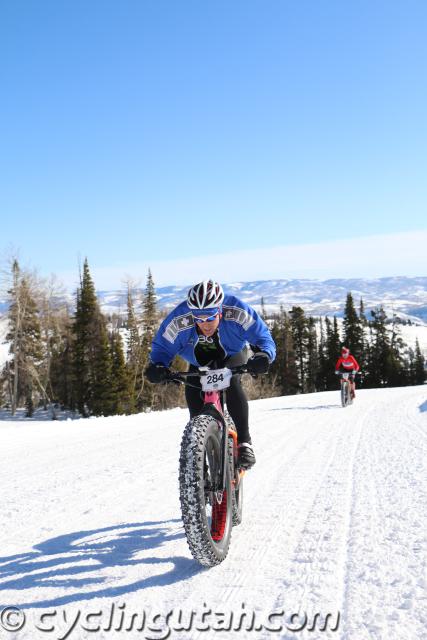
point(78, 359)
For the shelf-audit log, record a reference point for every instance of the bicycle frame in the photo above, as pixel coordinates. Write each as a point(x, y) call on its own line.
point(213, 398)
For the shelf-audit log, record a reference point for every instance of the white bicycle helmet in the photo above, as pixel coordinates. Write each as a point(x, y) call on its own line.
point(205, 295)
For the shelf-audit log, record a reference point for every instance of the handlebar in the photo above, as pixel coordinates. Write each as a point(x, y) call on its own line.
point(350, 373)
point(181, 376)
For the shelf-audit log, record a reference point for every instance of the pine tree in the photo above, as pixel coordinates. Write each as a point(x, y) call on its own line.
point(363, 340)
point(419, 365)
point(134, 352)
point(123, 399)
point(149, 306)
point(378, 358)
point(92, 357)
point(300, 335)
point(410, 365)
point(362, 316)
point(283, 372)
point(312, 356)
point(145, 397)
point(353, 330)
point(332, 350)
point(103, 399)
point(62, 364)
point(322, 373)
point(397, 370)
point(86, 308)
point(389, 361)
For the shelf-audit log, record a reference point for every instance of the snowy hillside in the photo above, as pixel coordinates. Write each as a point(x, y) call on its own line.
point(407, 296)
point(411, 333)
point(335, 521)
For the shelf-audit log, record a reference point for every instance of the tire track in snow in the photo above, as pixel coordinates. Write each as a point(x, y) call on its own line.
point(295, 489)
point(316, 566)
point(385, 593)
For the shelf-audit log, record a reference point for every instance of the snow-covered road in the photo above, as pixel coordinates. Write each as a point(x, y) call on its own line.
point(335, 521)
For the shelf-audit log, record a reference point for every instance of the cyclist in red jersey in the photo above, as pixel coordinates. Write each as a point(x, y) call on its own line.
point(347, 362)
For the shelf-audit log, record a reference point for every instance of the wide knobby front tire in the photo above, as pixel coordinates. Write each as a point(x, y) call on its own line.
point(345, 394)
point(207, 518)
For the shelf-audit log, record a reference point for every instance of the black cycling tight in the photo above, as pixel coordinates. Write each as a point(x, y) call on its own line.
point(236, 400)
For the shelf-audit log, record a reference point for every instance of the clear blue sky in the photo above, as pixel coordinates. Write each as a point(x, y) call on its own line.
point(138, 131)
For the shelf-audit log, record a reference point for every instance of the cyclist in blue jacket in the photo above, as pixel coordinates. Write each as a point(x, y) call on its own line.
point(210, 327)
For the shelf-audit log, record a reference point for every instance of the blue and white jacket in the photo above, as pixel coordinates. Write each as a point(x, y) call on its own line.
point(240, 325)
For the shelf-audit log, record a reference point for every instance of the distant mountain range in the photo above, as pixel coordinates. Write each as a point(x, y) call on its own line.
point(402, 295)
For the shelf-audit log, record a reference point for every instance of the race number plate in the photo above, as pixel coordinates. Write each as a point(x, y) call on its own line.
point(216, 380)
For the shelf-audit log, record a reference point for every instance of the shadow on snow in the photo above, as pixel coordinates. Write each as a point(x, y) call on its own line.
point(423, 406)
point(78, 560)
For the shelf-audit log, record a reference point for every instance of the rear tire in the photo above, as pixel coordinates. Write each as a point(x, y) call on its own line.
point(237, 484)
point(207, 518)
point(238, 503)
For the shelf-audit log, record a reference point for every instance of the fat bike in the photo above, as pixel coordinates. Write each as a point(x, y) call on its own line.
point(210, 480)
point(347, 395)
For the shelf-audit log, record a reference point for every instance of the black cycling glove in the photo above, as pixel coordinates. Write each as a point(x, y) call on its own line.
point(259, 363)
point(156, 373)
